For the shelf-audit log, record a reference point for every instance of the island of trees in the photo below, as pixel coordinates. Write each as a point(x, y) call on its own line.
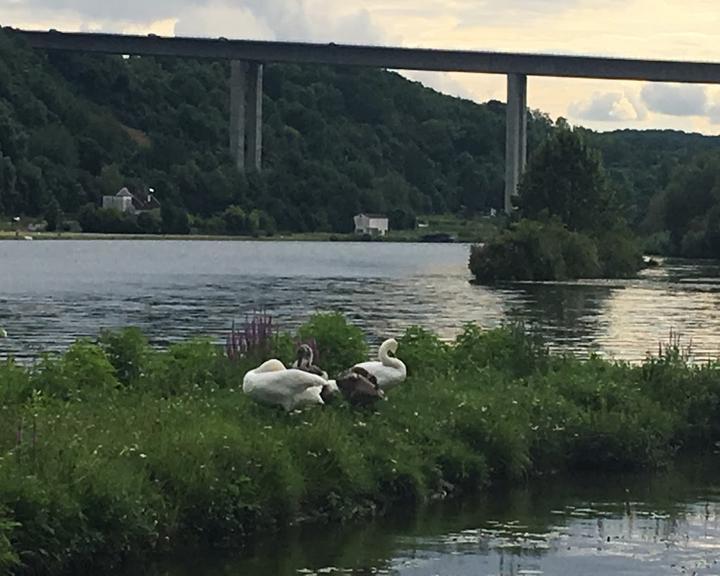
point(571, 223)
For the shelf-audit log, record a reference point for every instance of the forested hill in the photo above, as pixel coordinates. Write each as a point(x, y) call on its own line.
point(640, 164)
point(74, 127)
point(337, 141)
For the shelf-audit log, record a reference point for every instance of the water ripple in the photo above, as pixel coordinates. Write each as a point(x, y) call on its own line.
point(54, 292)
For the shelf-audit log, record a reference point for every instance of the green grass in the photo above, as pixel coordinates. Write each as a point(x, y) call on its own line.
point(115, 450)
point(478, 229)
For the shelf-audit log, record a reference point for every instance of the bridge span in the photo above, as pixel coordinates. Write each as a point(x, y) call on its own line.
point(248, 56)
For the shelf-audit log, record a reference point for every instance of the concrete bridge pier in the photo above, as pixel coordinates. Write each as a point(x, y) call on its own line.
point(246, 97)
point(516, 135)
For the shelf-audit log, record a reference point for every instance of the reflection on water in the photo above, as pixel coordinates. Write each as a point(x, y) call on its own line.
point(639, 526)
point(52, 292)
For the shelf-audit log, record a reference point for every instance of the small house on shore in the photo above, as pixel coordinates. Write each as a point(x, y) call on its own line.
point(126, 201)
point(372, 224)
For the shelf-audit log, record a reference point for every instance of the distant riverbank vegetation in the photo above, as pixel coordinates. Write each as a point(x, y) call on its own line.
point(116, 449)
point(338, 141)
point(570, 221)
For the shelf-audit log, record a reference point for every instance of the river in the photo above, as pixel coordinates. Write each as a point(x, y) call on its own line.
point(52, 292)
point(642, 525)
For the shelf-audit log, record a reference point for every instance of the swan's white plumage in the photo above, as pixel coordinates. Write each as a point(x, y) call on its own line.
point(271, 383)
point(388, 371)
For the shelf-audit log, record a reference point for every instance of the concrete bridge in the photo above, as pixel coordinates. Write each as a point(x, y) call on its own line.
point(247, 58)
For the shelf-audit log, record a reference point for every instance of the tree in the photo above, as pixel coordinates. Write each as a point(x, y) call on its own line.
point(52, 215)
point(174, 219)
point(149, 222)
point(566, 179)
point(235, 220)
point(691, 195)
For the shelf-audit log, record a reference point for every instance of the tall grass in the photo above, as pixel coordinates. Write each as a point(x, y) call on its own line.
point(114, 450)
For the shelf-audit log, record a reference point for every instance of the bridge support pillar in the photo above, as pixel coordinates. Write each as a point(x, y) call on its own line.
point(246, 119)
point(516, 135)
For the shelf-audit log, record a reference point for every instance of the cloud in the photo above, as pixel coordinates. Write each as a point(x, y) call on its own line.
point(442, 82)
point(311, 20)
point(608, 107)
point(675, 99)
point(127, 11)
point(713, 113)
point(220, 19)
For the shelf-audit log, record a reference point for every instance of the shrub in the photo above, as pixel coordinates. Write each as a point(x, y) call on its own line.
point(510, 348)
point(340, 345)
point(8, 557)
point(128, 352)
point(83, 370)
point(620, 254)
point(548, 251)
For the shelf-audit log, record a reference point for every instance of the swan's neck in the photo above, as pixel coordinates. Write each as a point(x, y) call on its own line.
point(389, 361)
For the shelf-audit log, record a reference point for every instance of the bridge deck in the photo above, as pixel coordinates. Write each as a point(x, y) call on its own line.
point(382, 57)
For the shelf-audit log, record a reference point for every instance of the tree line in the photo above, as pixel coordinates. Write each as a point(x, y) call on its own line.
point(76, 127)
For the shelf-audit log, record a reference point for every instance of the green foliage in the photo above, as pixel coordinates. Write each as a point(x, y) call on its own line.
point(121, 448)
point(8, 558)
point(691, 208)
point(640, 164)
point(340, 345)
point(46, 131)
point(337, 141)
point(507, 348)
point(174, 220)
point(128, 352)
point(565, 179)
point(84, 370)
point(107, 221)
point(620, 253)
point(531, 250)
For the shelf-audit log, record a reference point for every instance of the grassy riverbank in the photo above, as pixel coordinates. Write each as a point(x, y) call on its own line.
point(314, 236)
point(118, 450)
point(478, 229)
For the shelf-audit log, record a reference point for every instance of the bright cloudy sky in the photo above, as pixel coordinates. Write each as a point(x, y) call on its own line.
point(662, 29)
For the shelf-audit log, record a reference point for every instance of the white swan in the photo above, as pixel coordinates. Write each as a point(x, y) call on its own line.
point(3, 333)
point(389, 371)
point(272, 383)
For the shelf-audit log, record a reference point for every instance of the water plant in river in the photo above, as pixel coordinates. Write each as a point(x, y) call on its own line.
point(129, 461)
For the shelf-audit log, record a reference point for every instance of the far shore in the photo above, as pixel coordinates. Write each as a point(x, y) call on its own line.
point(305, 237)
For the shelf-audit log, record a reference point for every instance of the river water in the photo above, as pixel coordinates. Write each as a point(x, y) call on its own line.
point(654, 525)
point(52, 292)
point(55, 291)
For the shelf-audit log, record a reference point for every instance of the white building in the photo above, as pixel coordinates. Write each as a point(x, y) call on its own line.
point(373, 224)
point(122, 201)
point(126, 201)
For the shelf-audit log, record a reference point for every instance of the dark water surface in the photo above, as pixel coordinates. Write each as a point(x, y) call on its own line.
point(51, 292)
point(627, 526)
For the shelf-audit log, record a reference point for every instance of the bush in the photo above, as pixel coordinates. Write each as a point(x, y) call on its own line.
point(533, 250)
point(620, 254)
point(150, 222)
point(340, 345)
point(8, 557)
point(107, 221)
point(128, 353)
point(82, 371)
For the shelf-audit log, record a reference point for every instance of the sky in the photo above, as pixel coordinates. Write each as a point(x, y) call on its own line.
point(657, 29)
